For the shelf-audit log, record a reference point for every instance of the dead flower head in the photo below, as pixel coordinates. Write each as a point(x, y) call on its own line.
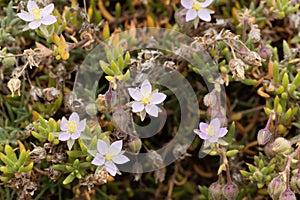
point(237, 68)
point(14, 84)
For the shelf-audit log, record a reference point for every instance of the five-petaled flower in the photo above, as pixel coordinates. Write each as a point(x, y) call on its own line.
point(37, 16)
point(196, 8)
point(109, 155)
point(71, 129)
point(211, 132)
point(146, 99)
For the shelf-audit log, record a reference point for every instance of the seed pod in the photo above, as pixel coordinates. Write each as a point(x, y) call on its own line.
point(281, 145)
point(230, 191)
point(263, 136)
point(276, 187)
point(287, 195)
point(134, 144)
point(237, 68)
point(14, 85)
point(215, 190)
point(295, 183)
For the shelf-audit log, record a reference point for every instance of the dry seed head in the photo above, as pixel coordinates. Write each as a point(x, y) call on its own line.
point(14, 84)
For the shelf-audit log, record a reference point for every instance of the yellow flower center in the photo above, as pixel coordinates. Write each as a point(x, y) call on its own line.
point(72, 127)
point(196, 6)
point(210, 131)
point(145, 100)
point(36, 13)
point(108, 157)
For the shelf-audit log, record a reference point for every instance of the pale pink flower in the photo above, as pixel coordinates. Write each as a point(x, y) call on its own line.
point(196, 8)
point(37, 16)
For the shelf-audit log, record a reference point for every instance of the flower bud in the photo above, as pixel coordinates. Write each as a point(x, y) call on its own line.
point(295, 183)
point(121, 119)
point(264, 52)
point(109, 98)
point(215, 190)
point(210, 99)
point(287, 195)
point(263, 136)
point(230, 191)
point(281, 145)
point(276, 187)
point(134, 144)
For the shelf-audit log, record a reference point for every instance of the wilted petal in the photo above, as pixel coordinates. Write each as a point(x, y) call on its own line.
point(187, 3)
point(31, 5)
point(146, 88)
point(49, 19)
point(120, 159)
point(98, 160)
point(152, 110)
point(205, 3)
point(25, 16)
point(203, 126)
point(190, 15)
point(102, 147)
point(204, 14)
point(63, 123)
point(215, 123)
point(64, 136)
point(81, 125)
point(75, 135)
point(115, 147)
point(135, 94)
point(137, 107)
point(34, 24)
point(111, 168)
point(48, 9)
point(74, 117)
point(157, 98)
point(222, 132)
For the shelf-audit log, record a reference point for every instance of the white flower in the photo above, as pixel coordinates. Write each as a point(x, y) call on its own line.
point(196, 8)
point(71, 129)
point(109, 155)
point(146, 99)
point(37, 16)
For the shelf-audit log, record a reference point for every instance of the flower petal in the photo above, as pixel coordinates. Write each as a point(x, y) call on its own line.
point(203, 126)
point(75, 136)
point(190, 15)
point(102, 147)
point(135, 94)
point(137, 107)
point(25, 16)
point(34, 24)
point(222, 132)
point(111, 168)
point(205, 3)
point(186, 3)
point(48, 9)
point(157, 98)
point(146, 88)
point(63, 123)
point(152, 110)
point(215, 123)
point(81, 125)
point(31, 5)
point(203, 135)
point(115, 147)
point(74, 117)
point(49, 19)
point(98, 160)
point(120, 159)
point(204, 14)
point(64, 136)
point(213, 139)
